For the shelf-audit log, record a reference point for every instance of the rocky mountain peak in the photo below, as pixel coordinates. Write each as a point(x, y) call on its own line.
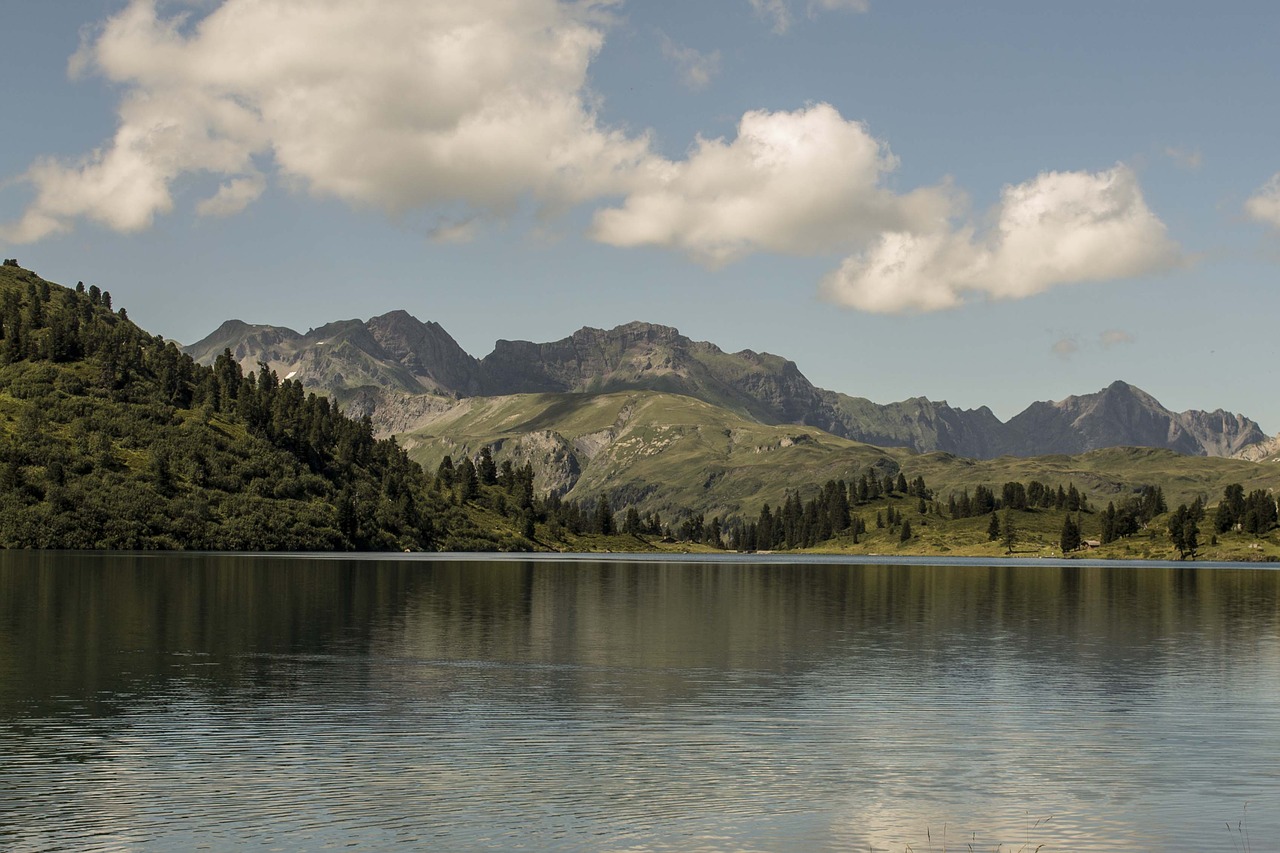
point(398, 353)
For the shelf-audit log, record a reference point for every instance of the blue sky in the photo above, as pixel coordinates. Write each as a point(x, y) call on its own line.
point(986, 203)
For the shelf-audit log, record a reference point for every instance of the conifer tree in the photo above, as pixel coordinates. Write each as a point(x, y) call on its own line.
point(1010, 532)
point(485, 469)
point(468, 482)
point(1070, 538)
point(604, 517)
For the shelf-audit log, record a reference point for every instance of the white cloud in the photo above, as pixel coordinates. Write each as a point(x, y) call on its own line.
point(1115, 337)
point(1058, 228)
point(233, 197)
point(1064, 348)
point(476, 107)
point(1264, 205)
point(1189, 159)
point(792, 182)
point(839, 5)
point(394, 105)
point(779, 11)
point(776, 10)
point(696, 68)
point(450, 232)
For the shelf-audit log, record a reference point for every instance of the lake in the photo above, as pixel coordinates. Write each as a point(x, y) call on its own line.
point(162, 702)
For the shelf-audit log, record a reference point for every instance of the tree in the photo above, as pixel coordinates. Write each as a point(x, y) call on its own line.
point(485, 469)
point(631, 522)
point(905, 533)
point(445, 473)
point(604, 517)
point(1070, 539)
point(1183, 532)
point(1231, 509)
point(993, 528)
point(1010, 533)
point(468, 482)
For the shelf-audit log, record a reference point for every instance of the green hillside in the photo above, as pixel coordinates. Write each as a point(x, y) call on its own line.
point(663, 452)
point(112, 438)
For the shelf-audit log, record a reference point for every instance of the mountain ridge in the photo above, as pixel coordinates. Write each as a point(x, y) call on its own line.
point(374, 363)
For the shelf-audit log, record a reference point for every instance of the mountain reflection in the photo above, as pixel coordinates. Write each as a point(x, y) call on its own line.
point(160, 701)
point(105, 628)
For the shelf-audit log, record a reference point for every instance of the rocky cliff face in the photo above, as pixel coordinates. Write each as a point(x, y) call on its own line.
point(399, 356)
point(394, 352)
point(659, 358)
point(1121, 415)
point(428, 352)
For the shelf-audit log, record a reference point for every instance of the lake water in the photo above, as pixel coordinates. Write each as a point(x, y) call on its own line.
point(291, 703)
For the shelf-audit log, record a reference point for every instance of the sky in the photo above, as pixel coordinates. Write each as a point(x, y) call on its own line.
point(986, 203)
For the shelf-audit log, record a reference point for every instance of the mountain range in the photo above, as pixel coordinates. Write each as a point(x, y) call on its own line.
point(405, 373)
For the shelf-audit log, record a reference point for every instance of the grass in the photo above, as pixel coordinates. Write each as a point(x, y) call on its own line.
point(666, 453)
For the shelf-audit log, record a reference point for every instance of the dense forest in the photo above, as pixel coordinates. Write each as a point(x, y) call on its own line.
point(112, 438)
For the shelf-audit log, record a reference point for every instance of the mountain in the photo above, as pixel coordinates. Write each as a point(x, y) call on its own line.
point(380, 366)
point(394, 352)
point(670, 453)
point(1121, 415)
point(637, 356)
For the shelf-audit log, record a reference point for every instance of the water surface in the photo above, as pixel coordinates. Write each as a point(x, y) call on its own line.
point(291, 703)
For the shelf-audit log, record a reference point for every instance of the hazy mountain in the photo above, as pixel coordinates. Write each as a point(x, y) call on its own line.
point(668, 453)
point(395, 355)
point(393, 352)
point(1121, 415)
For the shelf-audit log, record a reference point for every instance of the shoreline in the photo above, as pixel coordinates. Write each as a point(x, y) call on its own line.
point(715, 557)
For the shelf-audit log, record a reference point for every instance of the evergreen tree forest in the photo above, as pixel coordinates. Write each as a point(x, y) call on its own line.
point(113, 438)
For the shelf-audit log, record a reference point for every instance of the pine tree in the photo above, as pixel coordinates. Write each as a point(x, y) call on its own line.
point(485, 469)
point(1010, 533)
point(1183, 532)
point(993, 528)
point(905, 533)
point(445, 472)
point(468, 482)
point(1070, 539)
point(604, 517)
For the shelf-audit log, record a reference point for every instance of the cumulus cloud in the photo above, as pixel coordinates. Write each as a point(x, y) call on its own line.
point(233, 197)
point(1115, 337)
point(696, 68)
point(775, 10)
point(1058, 228)
point(1189, 159)
point(779, 11)
point(839, 5)
point(791, 182)
point(451, 232)
point(1264, 205)
point(475, 108)
point(1064, 348)
point(393, 105)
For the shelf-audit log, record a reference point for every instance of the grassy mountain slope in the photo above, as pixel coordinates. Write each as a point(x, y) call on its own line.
point(662, 451)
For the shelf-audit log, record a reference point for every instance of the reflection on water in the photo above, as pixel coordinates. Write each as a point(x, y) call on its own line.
point(166, 702)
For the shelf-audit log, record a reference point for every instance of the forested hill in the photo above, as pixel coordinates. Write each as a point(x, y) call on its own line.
point(113, 438)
